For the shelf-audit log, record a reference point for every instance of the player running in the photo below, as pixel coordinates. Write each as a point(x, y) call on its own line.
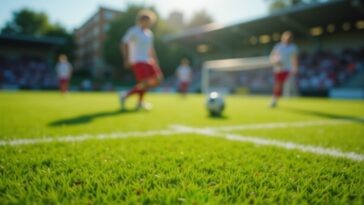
point(184, 76)
point(140, 56)
point(284, 58)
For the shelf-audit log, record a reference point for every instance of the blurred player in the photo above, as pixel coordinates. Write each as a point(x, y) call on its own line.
point(64, 73)
point(184, 76)
point(139, 55)
point(284, 58)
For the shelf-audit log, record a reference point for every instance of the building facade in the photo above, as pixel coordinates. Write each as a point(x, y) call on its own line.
point(90, 38)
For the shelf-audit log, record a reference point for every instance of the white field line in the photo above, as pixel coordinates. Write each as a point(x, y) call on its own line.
point(280, 125)
point(212, 132)
point(267, 142)
point(75, 138)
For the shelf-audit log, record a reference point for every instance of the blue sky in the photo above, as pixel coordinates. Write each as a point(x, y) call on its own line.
point(72, 13)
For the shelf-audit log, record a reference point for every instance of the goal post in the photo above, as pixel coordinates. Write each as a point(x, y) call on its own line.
point(231, 65)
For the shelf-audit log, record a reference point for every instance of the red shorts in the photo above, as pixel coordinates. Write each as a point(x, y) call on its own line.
point(280, 77)
point(183, 86)
point(63, 81)
point(144, 71)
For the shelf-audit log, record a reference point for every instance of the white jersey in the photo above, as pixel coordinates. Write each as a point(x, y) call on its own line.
point(64, 70)
point(140, 43)
point(184, 73)
point(282, 56)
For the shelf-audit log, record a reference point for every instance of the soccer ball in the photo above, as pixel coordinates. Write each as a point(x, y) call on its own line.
point(215, 104)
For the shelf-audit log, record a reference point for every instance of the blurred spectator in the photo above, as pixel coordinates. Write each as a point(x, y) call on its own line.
point(184, 76)
point(27, 72)
point(64, 73)
point(324, 70)
point(86, 85)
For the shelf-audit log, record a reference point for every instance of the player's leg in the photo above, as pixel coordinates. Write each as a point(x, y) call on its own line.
point(139, 88)
point(66, 82)
point(152, 78)
point(279, 79)
point(62, 85)
point(183, 88)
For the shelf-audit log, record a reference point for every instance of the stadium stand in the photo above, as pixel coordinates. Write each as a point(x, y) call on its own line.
point(26, 62)
point(331, 46)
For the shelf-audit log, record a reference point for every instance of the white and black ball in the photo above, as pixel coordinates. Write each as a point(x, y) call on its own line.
point(215, 104)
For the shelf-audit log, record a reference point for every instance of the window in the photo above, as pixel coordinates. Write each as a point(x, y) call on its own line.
point(253, 40)
point(360, 24)
point(96, 31)
point(95, 45)
point(106, 27)
point(330, 28)
point(316, 31)
point(108, 15)
point(202, 48)
point(346, 26)
point(264, 39)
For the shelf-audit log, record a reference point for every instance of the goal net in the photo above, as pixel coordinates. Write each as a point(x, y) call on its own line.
point(237, 75)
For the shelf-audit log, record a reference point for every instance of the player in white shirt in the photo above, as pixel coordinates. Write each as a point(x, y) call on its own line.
point(64, 73)
point(184, 76)
point(284, 58)
point(139, 55)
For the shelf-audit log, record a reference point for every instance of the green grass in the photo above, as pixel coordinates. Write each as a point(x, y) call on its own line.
point(181, 168)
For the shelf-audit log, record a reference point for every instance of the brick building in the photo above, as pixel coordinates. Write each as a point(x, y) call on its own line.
point(89, 39)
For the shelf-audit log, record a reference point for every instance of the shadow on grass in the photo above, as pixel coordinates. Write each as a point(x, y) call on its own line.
point(323, 114)
point(82, 119)
point(218, 117)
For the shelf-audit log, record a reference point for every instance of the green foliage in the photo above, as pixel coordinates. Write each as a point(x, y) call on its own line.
point(170, 56)
point(57, 30)
point(178, 169)
point(200, 18)
point(29, 22)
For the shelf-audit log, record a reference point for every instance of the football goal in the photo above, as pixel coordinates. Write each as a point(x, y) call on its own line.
point(237, 75)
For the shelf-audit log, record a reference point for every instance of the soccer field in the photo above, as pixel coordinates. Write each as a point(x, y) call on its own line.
point(81, 149)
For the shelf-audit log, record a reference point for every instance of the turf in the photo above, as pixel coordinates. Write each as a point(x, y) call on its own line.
point(181, 168)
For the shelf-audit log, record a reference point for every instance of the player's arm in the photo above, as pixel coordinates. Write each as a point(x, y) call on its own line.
point(294, 64)
point(272, 54)
point(124, 48)
point(154, 56)
point(273, 57)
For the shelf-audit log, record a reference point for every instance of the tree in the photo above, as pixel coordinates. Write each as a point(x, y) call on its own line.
point(28, 22)
point(57, 30)
point(200, 18)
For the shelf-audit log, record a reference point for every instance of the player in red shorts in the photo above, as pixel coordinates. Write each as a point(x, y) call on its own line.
point(64, 72)
point(184, 76)
point(139, 55)
point(284, 58)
